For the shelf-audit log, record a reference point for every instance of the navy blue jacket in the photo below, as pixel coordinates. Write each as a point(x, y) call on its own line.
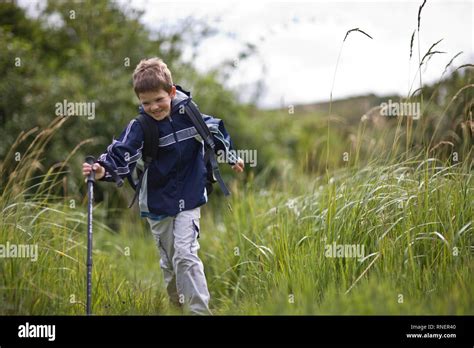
point(176, 179)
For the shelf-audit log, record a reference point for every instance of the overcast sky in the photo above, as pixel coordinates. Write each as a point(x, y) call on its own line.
point(299, 42)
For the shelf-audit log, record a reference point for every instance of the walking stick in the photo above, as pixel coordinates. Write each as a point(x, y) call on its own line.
point(90, 191)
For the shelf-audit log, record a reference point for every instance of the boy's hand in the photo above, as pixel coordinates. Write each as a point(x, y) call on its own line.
point(99, 170)
point(239, 166)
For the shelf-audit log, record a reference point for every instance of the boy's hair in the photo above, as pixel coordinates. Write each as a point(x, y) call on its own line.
point(152, 75)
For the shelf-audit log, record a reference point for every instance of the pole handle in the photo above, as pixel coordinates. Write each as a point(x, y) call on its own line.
point(91, 177)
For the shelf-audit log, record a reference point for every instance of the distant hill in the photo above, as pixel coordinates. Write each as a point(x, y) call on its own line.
point(351, 108)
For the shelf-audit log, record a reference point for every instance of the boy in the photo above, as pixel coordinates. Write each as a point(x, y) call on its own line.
point(174, 185)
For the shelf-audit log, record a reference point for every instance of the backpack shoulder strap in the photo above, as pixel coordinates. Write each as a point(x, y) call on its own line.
point(196, 118)
point(151, 141)
point(151, 137)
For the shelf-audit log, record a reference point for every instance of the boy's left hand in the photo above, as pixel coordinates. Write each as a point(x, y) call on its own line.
point(239, 166)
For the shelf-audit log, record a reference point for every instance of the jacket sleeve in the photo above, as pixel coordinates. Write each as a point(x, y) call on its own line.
point(224, 146)
point(122, 155)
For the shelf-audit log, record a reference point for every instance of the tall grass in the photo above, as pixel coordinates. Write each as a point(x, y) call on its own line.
point(267, 256)
point(33, 213)
point(413, 218)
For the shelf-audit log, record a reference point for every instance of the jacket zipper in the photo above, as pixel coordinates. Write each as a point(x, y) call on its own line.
point(178, 185)
point(179, 154)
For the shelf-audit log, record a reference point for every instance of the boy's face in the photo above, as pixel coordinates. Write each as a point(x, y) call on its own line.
point(157, 104)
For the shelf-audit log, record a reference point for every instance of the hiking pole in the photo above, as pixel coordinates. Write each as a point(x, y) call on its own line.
point(90, 191)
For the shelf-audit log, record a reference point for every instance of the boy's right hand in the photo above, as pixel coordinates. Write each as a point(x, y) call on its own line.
point(99, 170)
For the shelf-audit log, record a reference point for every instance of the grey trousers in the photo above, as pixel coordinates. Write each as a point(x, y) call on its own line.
point(176, 238)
